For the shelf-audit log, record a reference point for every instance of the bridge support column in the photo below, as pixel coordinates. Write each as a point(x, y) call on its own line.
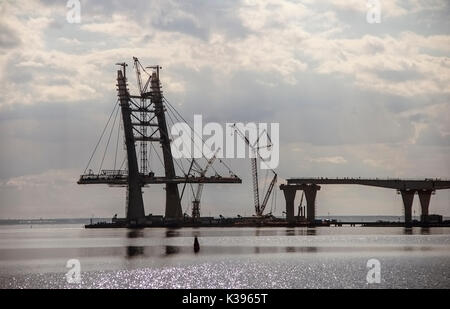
point(135, 204)
point(289, 195)
point(408, 197)
point(310, 194)
point(424, 197)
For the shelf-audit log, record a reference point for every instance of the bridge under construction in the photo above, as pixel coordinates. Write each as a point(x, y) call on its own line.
point(144, 124)
point(407, 188)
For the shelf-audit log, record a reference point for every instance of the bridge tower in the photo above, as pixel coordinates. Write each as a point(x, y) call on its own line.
point(173, 205)
point(135, 204)
point(136, 119)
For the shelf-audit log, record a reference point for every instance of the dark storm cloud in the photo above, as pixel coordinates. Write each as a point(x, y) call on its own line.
point(431, 136)
point(8, 37)
point(49, 135)
point(194, 18)
point(419, 118)
point(18, 75)
point(400, 76)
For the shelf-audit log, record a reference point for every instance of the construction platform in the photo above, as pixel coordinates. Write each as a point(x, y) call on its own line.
point(160, 222)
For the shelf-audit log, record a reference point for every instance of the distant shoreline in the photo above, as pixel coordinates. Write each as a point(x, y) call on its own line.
point(342, 218)
point(51, 221)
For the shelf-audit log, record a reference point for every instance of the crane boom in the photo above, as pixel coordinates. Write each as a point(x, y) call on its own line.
point(259, 207)
point(138, 74)
point(269, 191)
point(142, 119)
point(301, 202)
point(255, 185)
point(198, 194)
point(202, 174)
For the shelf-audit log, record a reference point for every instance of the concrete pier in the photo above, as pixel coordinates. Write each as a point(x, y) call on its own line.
point(289, 195)
point(424, 197)
point(406, 187)
point(310, 195)
point(407, 197)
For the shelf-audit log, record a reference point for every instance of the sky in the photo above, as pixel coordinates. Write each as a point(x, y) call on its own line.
point(353, 98)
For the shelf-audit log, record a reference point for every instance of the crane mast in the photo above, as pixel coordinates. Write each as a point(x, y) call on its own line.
point(259, 207)
point(254, 164)
point(198, 194)
point(143, 118)
point(269, 191)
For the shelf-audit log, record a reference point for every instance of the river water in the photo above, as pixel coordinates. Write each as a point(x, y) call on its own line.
point(323, 257)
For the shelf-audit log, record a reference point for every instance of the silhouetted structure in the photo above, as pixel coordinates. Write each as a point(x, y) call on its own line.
point(407, 188)
point(150, 113)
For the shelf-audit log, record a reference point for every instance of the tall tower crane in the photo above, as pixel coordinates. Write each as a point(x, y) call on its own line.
point(259, 206)
point(143, 116)
point(198, 194)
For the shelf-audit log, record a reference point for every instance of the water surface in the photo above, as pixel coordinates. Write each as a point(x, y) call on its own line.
point(324, 257)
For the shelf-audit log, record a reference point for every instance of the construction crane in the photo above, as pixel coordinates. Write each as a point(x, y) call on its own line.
point(300, 207)
point(198, 194)
point(143, 116)
point(259, 207)
point(138, 66)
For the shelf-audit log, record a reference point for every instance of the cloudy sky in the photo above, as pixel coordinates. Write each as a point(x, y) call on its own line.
point(352, 98)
